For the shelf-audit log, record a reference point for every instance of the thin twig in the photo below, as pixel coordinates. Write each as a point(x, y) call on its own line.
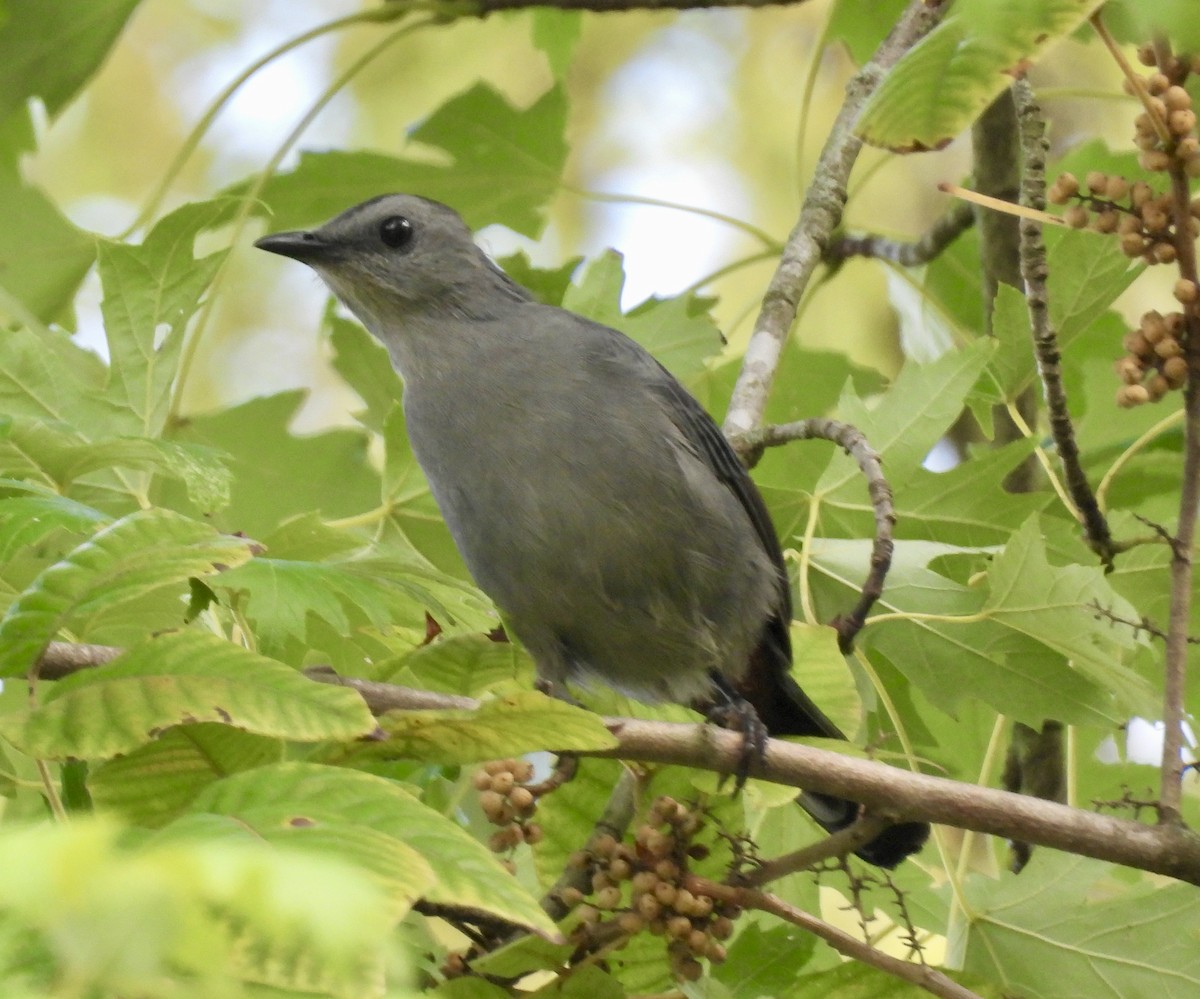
point(1034, 270)
point(852, 441)
point(921, 975)
point(839, 844)
point(937, 238)
point(820, 215)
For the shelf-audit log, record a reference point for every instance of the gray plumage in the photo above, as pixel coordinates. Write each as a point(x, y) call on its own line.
point(590, 495)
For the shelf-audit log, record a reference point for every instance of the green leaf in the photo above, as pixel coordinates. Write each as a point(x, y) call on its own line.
point(1069, 927)
point(155, 783)
point(46, 375)
point(413, 516)
point(469, 665)
point(943, 83)
point(58, 454)
point(364, 363)
point(26, 521)
point(51, 50)
point(507, 164)
point(820, 669)
point(968, 505)
point(1056, 605)
point(335, 474)
point(912, 416)
point(136, 555)
point(43, 257)
point(150, 292)
point(937, 637)
point(556, 33)
point(181, 678)
point(1136, 22)
point(862, 24)
point(678, 331)
point(517, 723)
point(467, 873)
point(378, 590)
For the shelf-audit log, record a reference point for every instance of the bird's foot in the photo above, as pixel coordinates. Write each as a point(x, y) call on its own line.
point(730, 710)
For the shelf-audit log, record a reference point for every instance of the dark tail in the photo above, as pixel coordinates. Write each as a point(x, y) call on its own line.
point(786, 710)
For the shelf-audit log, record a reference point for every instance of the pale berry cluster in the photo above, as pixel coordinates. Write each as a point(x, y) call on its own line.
point(1154, 363)
point(508, 802)
point(1150, 225)
point(641, 887)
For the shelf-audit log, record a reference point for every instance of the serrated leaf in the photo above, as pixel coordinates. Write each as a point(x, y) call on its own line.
point(912, 416)
point(943, 83)
point(182, 678)
point(1067, 928)
point(968, 505)
point(26, 521)
point(138, 554)
point(337, 477)
point(517, 723)
point(155, 783)
point(507, 164)
point(379, 590)
point(678, 331)
point(58, 454)
point(365, 365)
point(46, 375)
point(1056, 606)
point(467, 873)
point(150, 292)
point(469, 665)
point(948, 650)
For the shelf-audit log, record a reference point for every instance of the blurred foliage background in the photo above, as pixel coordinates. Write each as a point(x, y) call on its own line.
point(723, 110)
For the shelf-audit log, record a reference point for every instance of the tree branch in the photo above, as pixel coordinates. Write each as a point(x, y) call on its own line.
point(855, 444)
point(921, 975)
point(1045, 339)
point(820, 215)
point(897, 794)
point(943, 232)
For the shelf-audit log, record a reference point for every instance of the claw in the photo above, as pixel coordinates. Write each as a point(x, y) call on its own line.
point(729, 709)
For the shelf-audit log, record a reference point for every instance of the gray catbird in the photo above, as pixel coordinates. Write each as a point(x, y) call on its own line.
point(592, 498)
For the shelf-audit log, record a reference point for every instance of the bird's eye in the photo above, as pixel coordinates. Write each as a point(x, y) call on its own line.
point(396, 231)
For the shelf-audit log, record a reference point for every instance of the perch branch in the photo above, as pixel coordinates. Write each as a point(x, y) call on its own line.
point(1167, 849)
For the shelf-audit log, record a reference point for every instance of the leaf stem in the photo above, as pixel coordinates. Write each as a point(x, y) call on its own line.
point(1130, 452)
point(385, 13)
point(188, 357)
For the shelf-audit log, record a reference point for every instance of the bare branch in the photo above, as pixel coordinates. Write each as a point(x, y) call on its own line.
point(820, 215)
point(852, 441)
point(1045, 338)
point(937, 238)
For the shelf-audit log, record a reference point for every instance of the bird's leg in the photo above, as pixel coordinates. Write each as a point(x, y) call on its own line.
point(566, 765)
point(731, 710)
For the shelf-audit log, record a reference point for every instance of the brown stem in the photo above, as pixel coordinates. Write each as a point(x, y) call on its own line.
point(940, 235)
point(1185, 533)
point(852, 441)
point(1034, 270)
point(921, 975)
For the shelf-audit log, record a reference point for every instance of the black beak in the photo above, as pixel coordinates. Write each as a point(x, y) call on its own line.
point(307, 247)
